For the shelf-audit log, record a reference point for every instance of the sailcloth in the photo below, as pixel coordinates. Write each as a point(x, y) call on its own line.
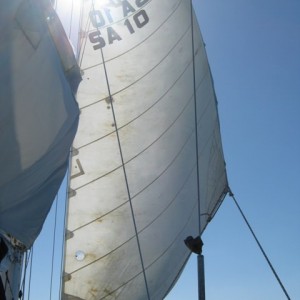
point(38, 115)
point(139, 171)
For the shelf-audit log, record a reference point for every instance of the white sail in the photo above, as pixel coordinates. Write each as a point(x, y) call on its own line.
point(136, 177)
point(38, 120)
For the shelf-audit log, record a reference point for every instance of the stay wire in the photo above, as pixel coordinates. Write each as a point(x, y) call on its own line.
point(53, 247)
point(196, 119)
point(259, 245)
point(124, 169)
point(30, 273)
point(25, 265)
point(71, 19)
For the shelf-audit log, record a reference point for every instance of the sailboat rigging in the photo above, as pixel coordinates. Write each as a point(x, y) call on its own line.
point(147, 164)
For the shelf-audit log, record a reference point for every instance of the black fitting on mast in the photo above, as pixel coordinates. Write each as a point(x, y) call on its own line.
point(194, 244)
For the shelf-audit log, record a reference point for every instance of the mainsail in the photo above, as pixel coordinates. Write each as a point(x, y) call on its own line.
point(38, 118)
point(147, 162)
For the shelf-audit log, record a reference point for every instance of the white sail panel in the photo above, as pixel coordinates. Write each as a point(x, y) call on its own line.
point(134, 184)
point(38, 116)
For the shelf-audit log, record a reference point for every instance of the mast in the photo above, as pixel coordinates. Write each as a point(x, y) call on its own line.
point(198, 242)
point(201, 277)
point(195, 244)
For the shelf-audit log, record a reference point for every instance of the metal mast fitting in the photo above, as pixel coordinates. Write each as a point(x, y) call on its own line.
point(195, 245)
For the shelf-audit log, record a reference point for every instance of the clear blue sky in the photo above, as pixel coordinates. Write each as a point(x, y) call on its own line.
point(254, 53)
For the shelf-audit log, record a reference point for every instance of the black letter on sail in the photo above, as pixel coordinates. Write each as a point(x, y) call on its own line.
point(140, 3)
point(97, 18)
point(127, 8)
point(95, 37)
point(112, 35)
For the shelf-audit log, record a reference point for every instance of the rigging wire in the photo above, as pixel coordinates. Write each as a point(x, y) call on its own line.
point(71, 19)
point(30, 273)
point(25, 263)
point(259, 245)
point(53, 245)
point(24, 268)
point(124, 169)
point(196, 123)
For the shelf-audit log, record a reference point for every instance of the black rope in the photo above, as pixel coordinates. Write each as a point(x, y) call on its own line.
point(259, 245)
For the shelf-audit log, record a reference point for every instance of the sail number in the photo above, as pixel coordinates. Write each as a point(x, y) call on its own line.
point(100, 18)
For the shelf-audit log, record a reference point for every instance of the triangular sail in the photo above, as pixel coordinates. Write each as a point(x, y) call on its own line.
point(38, 121)
point(134, 180)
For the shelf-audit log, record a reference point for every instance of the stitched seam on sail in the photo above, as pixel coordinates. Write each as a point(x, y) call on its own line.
point(161, 98)
point(155, 260)
point(150, 107)
point(143, 76)
point(205, 145)
point(135, 157)
point(124, 203)
point(192, 211)
point(208, 104)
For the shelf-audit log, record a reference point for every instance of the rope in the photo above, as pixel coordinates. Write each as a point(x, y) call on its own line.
point(26, 261)
point(196, 123)
point(259, 245)
point(7, 284)
point(71, 19)
point(53, 246)
point(124, 170)
point(30, 272)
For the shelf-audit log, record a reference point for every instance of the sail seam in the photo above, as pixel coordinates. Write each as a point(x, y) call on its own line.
point(124, 203)
point(98, 178)
point(212, 212)
point(160, 256)
point(147, 73)
point(155, 260)
point(161, 98)
point(172, 161)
